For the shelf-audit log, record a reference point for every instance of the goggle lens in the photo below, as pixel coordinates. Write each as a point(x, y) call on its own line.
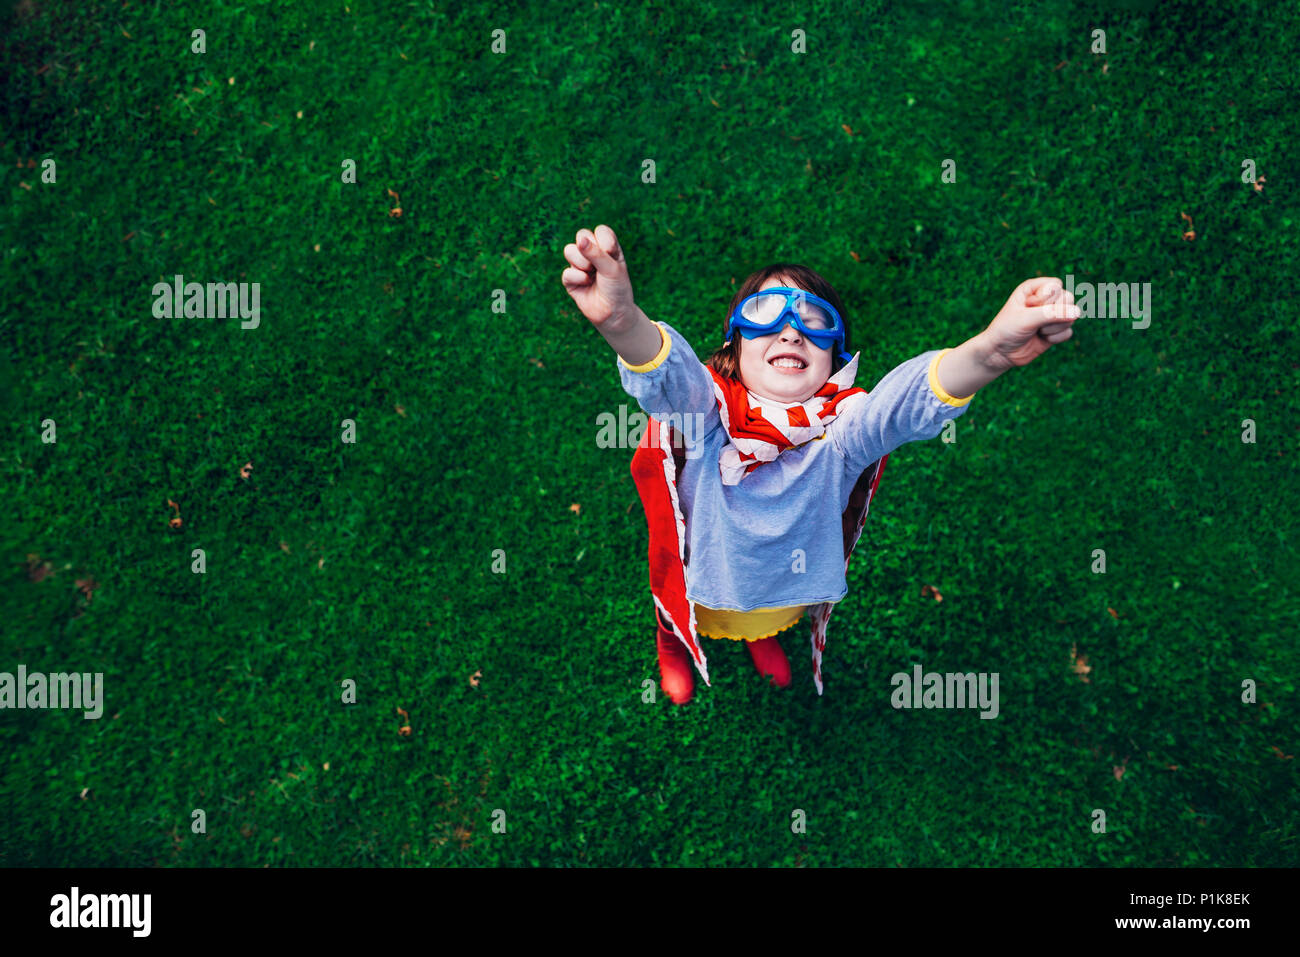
point(765, 308)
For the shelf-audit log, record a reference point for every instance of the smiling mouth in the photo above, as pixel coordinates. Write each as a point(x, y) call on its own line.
point(788, 365)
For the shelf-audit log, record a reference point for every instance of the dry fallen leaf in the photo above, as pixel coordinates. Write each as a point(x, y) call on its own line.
point(462, 834)
point(575, 508)
point(243, 472)
point(175, 521)
point(1113, 612)
point(1079, 665)
point(87, 586)
point(846, 128)
point(933, 590)
point(37, 570)
point(400, 411)
point(283, 546)
point(473, 679)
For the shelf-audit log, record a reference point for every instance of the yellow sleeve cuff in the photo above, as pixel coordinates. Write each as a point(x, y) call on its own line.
point(939, 390)
point(659, 357)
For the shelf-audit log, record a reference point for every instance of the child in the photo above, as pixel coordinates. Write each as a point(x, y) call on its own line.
point(757, 498)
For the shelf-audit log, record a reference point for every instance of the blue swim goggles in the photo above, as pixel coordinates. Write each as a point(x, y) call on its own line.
point(768, 312)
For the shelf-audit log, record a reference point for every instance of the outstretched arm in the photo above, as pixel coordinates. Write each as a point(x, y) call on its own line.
point(1037, 316)
point(597, 280)
point(657, 366)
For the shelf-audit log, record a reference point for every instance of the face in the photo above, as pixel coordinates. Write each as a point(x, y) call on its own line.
point(778, 383)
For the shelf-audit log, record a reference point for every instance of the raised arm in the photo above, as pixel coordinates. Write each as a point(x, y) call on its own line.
point(915, 399)
point(1038, 315)
point(598, 282)
point(657, 366)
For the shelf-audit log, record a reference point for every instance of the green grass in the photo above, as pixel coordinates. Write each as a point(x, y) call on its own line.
point(476, 431)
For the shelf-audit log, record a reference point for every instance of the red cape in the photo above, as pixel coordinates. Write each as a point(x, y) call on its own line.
point(656, 465)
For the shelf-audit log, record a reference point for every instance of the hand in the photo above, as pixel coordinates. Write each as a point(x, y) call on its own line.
point(1038, 315)
point(597, 276)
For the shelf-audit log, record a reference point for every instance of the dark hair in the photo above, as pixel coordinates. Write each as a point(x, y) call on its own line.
point(726, 359)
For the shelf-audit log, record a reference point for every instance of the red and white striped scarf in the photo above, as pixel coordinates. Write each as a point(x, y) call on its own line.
point(761, 429)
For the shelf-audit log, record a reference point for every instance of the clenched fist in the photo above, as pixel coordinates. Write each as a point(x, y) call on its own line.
point(1038, 315)
point(597, 278)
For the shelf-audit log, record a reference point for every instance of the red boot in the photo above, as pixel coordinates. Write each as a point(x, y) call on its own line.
point(769, 659)
point(674, 664)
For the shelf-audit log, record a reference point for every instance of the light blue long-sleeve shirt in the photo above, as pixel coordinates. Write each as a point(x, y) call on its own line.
point(775, 539)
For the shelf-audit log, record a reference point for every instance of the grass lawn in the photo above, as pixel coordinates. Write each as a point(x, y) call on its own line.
point(420, 392)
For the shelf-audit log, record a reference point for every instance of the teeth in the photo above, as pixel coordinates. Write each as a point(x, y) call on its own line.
point(787, 363)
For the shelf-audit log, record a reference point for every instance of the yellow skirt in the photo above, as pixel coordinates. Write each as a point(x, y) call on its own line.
point(752, 625)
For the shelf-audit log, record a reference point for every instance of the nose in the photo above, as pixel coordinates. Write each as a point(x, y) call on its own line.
point(788, 331)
